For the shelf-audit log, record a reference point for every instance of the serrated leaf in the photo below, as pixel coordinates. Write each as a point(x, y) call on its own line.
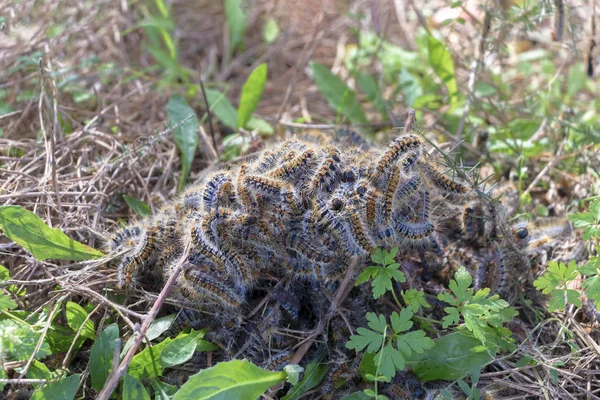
point(29, 231)
point(101, 355)
point(581, 220)
point(415, 299)
point(452, 318)
point(450, 358)
point(6, 303)
point(401, 322)
point(415, 341)
point(338, 94)
point(185, 135)
point(251, 94)
point(76, 315)
point(236, 21)
point(389, 360)
point(64, 389)
point(377, 323)
point(139, 207)
point(365, 338)
point(133, 389)
point(442, 63)
point(222, 108)
point(592, 288)
point(229, 380)
point(379, 257)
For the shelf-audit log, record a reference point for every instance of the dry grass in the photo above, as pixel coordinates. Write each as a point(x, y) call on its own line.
point(117, 143)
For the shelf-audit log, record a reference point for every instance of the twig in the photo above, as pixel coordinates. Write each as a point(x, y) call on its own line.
point(22, 381)
point(209, 113)
point(477, 64)
point(548, 166)
point(117, 374)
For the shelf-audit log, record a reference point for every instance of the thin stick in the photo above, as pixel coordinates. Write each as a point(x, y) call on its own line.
point(209, 113)
point(117, 374)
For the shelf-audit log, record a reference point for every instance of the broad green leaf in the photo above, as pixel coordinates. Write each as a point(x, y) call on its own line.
point(159, 326)
point(153, 360)
point(260, 125)
point(369, 86)
point(29, 231)
point(293, 372)
point(101, 355)
point(39, 370)
point(237, 21)
point(229, 380)
point(314, 374)
point(251, 94)
point(64, 389)
point(75, 317)
point(185, 135)
point(441, 62)
point(162, 391)
point(357, 396)
point(138, 206)
point(270, 31)
point(18, 341)
point(133, 389)
point(450, 358)
point(338, 94)
point(222, 108)
point(592, 288)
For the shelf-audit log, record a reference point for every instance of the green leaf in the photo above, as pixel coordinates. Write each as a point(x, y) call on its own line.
point(251, 94)
point(18, 341)
point(185, 135)
point(364, 338)
point(153, 360)
point(270, 31)
point(139, 207)
point(582, 220)
point(415, 299)
point(75, 317)
point(101, 355)
point(450, 358)
point(370, 87)
point(402, 322)
point(237, 21)
point(222, 108)
point(338, 94)
point(592, 288)
point(160, 326)
point(6, 303)
point(229, 380)
point(357, 396)
point(133, 389)
point(415, 341)
point(314, 374)
point(162, 391)
point(260, 125)
point(64, 389)
point(29, 231)
point(441, 62)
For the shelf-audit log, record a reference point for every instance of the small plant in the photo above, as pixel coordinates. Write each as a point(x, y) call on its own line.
point(558, 275)
point(482, 315)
